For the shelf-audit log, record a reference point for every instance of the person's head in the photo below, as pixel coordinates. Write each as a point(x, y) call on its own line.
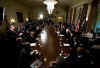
point(66, 54)
point(12, 28)
point(27, 31)
point(37, 28)
point(36, 65)
point(32, 33)
point(67, 30)
point(80, 50)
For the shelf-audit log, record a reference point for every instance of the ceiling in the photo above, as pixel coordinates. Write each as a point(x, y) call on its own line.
point(61, 3)
point(60, 7)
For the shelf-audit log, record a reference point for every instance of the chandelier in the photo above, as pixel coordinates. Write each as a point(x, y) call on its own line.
point(50, 5)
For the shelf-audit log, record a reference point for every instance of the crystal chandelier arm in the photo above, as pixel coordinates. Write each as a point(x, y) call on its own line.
point(50, 5)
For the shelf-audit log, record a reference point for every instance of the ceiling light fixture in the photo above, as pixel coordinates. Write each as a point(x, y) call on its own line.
point(12, 20)
point(50, 5)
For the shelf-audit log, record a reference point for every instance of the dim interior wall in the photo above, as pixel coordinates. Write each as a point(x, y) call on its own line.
point(77, 3)
point(35, 12)
point(59, 12)
point(1, 3)
point(11, 7)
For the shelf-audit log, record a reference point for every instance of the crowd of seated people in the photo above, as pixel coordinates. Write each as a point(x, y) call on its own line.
point(17, 42)
point(80, 50)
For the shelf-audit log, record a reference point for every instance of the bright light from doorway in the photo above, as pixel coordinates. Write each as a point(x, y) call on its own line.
point(27, 19)
point(41, 16)
point(60, 18)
